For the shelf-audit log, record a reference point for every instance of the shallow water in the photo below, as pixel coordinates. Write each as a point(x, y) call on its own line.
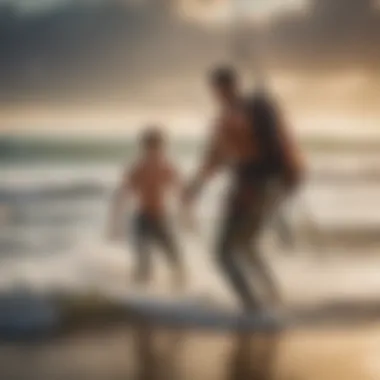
point(52, 218)
point(53, 213)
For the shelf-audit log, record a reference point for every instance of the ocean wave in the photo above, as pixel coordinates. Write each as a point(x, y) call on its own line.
point(46, 191)
point(332, 176)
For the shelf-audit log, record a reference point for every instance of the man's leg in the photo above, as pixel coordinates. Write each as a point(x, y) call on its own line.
point(276, 214)
point(228, 260)
point(142, 272)
point(263, 272)
point(249, 244)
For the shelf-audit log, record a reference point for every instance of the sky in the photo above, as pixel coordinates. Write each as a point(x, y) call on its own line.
point(34, 5)
point(320, 56)
point(40, 4)
point(224, 11)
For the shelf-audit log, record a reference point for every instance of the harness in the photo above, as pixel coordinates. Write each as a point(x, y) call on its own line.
point(264, 122)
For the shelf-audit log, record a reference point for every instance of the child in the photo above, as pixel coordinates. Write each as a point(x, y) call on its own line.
point(150, 180)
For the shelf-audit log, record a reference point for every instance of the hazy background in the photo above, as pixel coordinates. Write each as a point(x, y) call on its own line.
point(79, 79)
point(123, 57)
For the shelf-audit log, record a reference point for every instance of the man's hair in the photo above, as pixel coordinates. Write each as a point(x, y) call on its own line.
point(152, 137)
point(225, 76)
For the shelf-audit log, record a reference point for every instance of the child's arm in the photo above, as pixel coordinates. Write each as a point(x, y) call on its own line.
point(118, 205)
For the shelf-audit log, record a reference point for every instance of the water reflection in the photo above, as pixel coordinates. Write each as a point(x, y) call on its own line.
point(158, 355)
point(161, 356)
point(254, 357)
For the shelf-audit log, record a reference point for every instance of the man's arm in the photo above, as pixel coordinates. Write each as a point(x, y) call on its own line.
point(212, 161)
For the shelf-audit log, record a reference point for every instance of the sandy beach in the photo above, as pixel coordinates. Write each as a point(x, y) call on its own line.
point(137, 351)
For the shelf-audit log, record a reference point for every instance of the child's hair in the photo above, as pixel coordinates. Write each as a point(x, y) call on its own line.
point(152, 137)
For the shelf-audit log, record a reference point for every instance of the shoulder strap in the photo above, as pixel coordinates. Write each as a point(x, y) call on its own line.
point(264, 118)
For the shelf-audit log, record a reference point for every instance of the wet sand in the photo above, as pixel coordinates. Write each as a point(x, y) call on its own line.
point(142, 352)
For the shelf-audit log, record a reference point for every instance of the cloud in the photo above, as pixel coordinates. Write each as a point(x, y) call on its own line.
point(222, 12)
point(334, 34)
point(34, 5)
point(134, 51)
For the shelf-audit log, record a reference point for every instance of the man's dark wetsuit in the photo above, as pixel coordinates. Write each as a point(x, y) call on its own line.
point(148, 231)
point(242, 225)
point(246, 208)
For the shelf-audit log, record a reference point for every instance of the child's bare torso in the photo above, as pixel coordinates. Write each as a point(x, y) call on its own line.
point(151, 181)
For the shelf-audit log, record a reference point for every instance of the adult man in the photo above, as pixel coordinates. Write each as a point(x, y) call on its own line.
point(250, 139)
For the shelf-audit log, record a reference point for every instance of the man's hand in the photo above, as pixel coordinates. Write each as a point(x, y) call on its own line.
point(190, 192)
point(212, 162)
point(187, 219)
point(113, 233)
point(187, 203)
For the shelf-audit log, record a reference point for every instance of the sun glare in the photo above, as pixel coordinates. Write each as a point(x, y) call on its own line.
point(220, 12)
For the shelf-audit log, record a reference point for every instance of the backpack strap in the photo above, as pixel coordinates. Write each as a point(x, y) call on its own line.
point(264, 118)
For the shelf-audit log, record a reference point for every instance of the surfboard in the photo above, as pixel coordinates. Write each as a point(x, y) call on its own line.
point(188, 313)
point(23, 316)
point(34, 317)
